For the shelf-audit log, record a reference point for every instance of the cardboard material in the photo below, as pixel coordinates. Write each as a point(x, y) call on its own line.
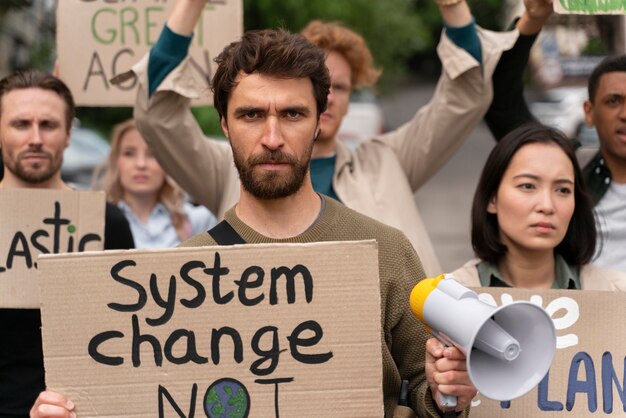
point(315, 356)
point(588, 376)
point(97, 40)
point(43, 221)
point(591, 7)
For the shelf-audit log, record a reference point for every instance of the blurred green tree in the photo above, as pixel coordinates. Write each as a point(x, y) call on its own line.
point(393, 29)
point(488, 13)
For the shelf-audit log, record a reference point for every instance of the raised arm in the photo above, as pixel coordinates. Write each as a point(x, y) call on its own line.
point(460, 28)
point(457, 14)
point(509, 109)
point(185, 15)
point(536, 14)
point(200, 166)
point(464, 92)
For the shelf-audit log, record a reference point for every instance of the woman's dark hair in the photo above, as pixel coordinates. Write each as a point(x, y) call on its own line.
point(578, 245)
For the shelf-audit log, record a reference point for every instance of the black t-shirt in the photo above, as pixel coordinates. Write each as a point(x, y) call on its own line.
point(117, 234)
point(21, 356)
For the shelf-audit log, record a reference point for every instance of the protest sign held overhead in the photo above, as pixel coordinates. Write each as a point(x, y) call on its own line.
point(591, 7)
point(37, 222)
point(99, 39)
point(254, 330)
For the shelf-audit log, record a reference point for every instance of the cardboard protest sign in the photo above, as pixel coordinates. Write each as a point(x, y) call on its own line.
point(36, 222)
point(588, 376)
point(99, 39)
point(255, 330)
point(592, 7)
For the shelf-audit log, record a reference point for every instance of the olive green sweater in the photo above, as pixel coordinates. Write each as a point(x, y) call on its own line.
point(403, 337)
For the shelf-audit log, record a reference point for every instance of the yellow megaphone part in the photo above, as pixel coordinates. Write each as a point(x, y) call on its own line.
point(420, 293)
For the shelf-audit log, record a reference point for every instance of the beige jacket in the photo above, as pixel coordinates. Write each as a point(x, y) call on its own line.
point(591, 277)
point(378, 179)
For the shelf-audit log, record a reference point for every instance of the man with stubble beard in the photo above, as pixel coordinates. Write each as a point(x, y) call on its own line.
point(270, 90)
point(36, 112)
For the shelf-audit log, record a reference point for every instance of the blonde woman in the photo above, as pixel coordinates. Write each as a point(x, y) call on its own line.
point(154, 205)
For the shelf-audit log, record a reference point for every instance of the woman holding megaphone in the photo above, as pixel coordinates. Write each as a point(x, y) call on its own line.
point(532, 227)
point(532, 221)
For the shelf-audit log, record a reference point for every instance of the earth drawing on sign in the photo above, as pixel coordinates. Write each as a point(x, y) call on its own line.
point(227, 398)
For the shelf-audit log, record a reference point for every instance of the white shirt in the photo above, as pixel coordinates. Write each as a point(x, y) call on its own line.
point(611, 225)
point(159, 232)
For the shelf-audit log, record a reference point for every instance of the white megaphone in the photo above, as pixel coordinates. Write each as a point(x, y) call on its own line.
point(509, 349)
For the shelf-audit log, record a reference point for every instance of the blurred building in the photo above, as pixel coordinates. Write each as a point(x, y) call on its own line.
point(27, 35)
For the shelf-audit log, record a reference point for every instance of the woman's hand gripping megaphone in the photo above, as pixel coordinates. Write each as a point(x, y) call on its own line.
point(447, 377)
point(503, 351)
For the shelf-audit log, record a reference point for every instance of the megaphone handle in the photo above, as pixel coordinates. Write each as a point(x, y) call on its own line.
point(447, 401)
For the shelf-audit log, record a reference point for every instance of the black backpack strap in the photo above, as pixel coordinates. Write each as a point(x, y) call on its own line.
point(224, 234)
